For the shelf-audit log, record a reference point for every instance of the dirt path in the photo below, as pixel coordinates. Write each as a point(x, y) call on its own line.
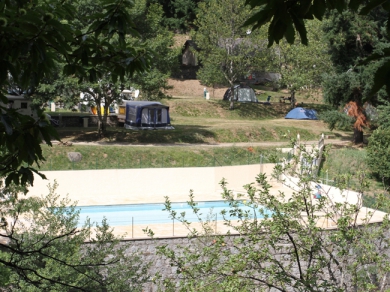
point(241, 144)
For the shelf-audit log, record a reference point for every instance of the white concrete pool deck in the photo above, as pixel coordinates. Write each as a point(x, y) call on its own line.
point(137, 186)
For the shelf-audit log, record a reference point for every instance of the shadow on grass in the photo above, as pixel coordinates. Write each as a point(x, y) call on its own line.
point(256, 110)
point(181, 134)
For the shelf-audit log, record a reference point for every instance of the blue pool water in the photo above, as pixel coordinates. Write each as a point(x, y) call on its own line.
point(150, 213)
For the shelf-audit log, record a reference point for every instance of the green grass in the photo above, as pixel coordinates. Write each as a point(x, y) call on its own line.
point(121, 157)
point(350, 162)
point(345, 161)
point(220, 109)
point(261, 134)
point(193, 134)
point(200, 121)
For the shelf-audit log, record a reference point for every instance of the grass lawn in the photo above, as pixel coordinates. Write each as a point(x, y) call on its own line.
point(121, 157)
point(351, 163)
point(200, 121)
point(209, 122)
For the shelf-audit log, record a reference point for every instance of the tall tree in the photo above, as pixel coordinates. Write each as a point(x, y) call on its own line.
point(33, 36)
point(302, 67)
point(210, 75)
point(155, 36)
point(364, 36)
point(152, 83)
point(179, 15)
point(102, 94)
point(285, 18)
point(353, 37)
point(223, 40)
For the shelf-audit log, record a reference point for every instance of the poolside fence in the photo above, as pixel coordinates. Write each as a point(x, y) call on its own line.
point(170, 227)
point(350, 179)
point(162, 161)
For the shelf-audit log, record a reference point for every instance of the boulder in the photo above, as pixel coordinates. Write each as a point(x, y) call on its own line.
point(75, 156)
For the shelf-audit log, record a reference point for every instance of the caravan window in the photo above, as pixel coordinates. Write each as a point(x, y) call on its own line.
point(23, 105)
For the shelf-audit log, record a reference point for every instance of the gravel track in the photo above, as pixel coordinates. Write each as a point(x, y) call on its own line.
point(240, 144)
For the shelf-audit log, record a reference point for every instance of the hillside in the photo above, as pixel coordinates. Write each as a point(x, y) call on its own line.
point(192, 88)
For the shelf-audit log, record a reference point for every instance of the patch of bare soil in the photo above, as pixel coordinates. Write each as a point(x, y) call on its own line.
point(180, 39)
point(193, 88)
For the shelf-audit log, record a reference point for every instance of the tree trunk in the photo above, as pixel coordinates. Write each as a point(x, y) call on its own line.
point(105, 118)
point(98, 108)
point(357, 136)
point(232, 98)
point(102, 122)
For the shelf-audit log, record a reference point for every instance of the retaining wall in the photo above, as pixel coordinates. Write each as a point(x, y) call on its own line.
point(147, 249)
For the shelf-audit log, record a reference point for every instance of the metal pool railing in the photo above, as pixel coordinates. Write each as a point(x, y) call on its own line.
point(133, 219)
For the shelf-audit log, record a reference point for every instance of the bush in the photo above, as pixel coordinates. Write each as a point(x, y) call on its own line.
point(337, 120)
point(378, 153)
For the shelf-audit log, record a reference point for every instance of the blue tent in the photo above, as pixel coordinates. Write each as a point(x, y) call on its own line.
point(300, 113)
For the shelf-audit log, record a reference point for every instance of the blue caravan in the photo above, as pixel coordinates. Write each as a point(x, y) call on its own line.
point(145, 115)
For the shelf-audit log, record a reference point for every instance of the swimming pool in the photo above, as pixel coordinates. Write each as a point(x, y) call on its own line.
point(150, 213)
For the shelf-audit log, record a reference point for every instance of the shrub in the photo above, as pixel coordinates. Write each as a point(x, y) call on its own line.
point(378, 153)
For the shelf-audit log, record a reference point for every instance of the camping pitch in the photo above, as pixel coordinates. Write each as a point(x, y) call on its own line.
point(241, 94)
point(300, 113)
point(143, 115)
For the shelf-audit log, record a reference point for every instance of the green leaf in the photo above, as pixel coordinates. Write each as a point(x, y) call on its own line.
point(354, 4)
point(375, 57)
point(5, 120)
point(271, 40)
point(303, 8)
point(388, 25)
point(300, 27)
point(254, 3)
point(259, 18)
point(371, 5)
point(289, 33)
point(319, 8)
point(330, 4)
point(340, 5)
point(386, 6)
point(85, 57)
point(381, 78)
point(3, 99)
point(277, 29)
point(10, 178)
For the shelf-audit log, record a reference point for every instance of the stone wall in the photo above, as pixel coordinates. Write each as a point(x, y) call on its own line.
point(147, 249)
